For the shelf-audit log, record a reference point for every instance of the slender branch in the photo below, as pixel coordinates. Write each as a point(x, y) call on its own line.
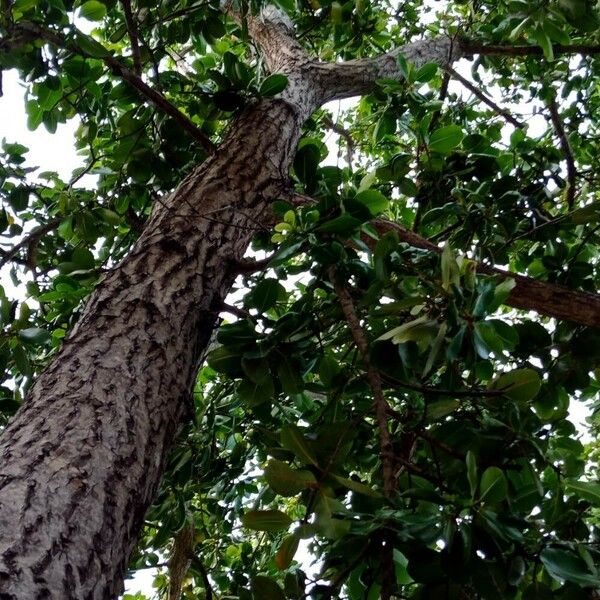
point(343, 133)
point(381, 414)
point(132, 32)
point(247, 267)
point(32, 31)
point(32, 238)
point(469, 47)
point(566, 148)
point(380, 403)
point(479, 94)
point(197, 563)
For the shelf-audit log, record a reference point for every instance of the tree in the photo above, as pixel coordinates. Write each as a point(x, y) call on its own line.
point(383, 390)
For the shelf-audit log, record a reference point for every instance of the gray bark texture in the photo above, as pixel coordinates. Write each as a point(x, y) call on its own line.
point(82, 460)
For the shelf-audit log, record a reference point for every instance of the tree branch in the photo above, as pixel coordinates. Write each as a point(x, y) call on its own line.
point(344, 134)
point(31, 31)
point(32, 238)
point(479, 94)
point(566, 148)
point(548, 299)
point(132, 32)
point(381, 414)
point(469, 47)
point(380, 403)
point(358, 77)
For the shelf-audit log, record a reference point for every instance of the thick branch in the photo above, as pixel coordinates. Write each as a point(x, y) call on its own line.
point(469, 47)
point(32, 31)
point(548, 299)
point(358, 77)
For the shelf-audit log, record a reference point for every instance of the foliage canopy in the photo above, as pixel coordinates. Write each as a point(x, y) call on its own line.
point(495, 495)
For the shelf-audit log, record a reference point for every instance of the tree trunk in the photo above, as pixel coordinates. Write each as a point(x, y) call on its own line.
point(82, 459)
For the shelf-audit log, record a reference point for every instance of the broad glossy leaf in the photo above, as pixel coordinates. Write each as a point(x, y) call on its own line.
point(520, 385)
point(292, 438)
point(92, 10)
point(266, 588)
point(374, 200)
point(357, 486)
point(286, 552)
point(587, 490)
point(286, 481)
point(266, 520)
point(493, 486)
point(445, 139)
point(273, 85)
point(563, 564)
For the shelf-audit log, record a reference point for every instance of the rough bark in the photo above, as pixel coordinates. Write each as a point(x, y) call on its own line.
point(82, 460)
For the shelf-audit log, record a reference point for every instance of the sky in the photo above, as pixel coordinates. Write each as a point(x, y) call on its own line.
point(57, 153)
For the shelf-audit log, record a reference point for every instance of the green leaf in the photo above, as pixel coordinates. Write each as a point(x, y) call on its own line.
point(344, 224)
point(255, 394)
point(471, 462)
point(92, 10)
point(442, 408)
point(357, 486)
point(289, 377)
point(426, 73)
point(286, 552)
point(266, 588)
point(34, 335)
point(564, 565)
point(412, 331)
point(226, 360)
point(291, 438)
point(450, 270)
point(541, 37)
point(265, 295)
point(286, 481)
point(306, 163)
point(374, 200)
point(585, 489)
point(273, 85)
point(520, 385)
point(445, 139)
point(493, 486)
point(266, 520)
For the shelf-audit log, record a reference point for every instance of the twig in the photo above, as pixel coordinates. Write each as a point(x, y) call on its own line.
point(468, 47)
point(566, 148)
point(32, 29)
point(479, 94)
point(236, 311)
point(246, 267)
point(197, 563)
point(132, 32)
point(423, 389)
point(34, 236)
point(343, 133)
